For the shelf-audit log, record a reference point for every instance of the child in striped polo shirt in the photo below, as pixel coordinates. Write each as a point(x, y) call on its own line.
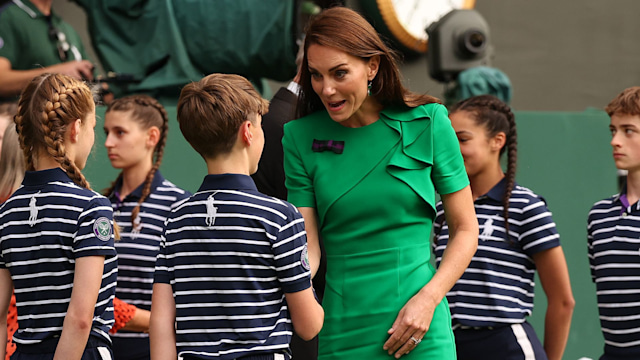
point(56, 234)
point(136, 129)
point(232, 277)
point(491, 301)
point(613, 234)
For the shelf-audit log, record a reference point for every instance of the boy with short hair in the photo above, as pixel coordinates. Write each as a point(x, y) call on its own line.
point(613, 236)
point(233, 272)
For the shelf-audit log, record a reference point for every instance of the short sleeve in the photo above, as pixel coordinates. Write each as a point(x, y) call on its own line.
point(161, 273)
point(8, 39)
point(590, 254)
point(95, 236)
point(537, 230)
point(291, 255)
point(448, 174)
point(300, 191)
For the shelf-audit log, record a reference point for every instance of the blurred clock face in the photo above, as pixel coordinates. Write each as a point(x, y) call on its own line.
point(407, 20)
point(416, 15)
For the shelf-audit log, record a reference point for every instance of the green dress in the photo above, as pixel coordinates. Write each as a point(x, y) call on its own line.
point(376, 205)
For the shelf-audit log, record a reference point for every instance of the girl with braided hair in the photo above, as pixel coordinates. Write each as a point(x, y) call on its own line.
point(136, 130)
point(56, 234)
point(490, 302)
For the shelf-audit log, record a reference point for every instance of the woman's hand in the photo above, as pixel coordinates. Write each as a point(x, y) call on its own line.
point(411, 325)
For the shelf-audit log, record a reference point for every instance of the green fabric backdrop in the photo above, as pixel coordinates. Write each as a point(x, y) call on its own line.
point(168, 43)
point(563, 156)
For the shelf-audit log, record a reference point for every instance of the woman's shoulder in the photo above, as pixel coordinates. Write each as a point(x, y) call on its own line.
point(314, 120)
point(431, 111)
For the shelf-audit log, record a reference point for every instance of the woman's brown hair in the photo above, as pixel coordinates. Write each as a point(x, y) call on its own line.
point(346, 30)
point(48, 104)
point(147, 112)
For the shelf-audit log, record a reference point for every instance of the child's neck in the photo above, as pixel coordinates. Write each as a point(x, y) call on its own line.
point(231, 163)
point(132, 178)
point(484, 181)
point(633, 187)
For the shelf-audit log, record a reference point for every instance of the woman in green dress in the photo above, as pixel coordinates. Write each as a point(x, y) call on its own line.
point(363, 165)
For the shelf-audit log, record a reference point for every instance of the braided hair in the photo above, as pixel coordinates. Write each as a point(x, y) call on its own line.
point(496, 116)
point(147, 112)
point(47, 106)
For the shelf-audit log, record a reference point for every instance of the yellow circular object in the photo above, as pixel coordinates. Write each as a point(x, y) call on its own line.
point(407, 20)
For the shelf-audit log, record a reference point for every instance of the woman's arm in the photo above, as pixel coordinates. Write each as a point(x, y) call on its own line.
point(554, 276)
point(313, 239)
point(415, 317)
point(6, 289)
point(79, 319)
point(162, 330)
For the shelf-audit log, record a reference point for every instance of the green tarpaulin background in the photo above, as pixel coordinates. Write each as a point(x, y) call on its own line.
point(168, 43)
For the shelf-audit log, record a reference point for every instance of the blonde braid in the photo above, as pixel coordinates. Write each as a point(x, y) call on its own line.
point(26, 147)
point(54, 138)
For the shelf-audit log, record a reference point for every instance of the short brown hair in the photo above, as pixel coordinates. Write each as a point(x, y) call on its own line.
point(211, 111)
point(626, 103)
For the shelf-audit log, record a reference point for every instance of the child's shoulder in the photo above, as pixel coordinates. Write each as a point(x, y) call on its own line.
point(524, 196)
point(168, 188)
point(603, 207)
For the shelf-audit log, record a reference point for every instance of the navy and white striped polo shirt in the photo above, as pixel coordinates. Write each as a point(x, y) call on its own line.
point(230, 254)
point(138, 248)
point(613, 234)
point(498, 286)
point(44, 226)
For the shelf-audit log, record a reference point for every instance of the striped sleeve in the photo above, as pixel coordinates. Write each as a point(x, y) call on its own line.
point(161, 273)
point(590, 253)
point(95, 230)
point(290, 254)
point(538, 230)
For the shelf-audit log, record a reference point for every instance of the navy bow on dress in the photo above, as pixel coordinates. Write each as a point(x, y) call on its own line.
point(331, 145)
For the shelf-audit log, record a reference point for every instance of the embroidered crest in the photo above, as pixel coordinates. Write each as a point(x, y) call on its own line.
point(102, 228)
point(136, 226)
point(487, 230)
point(304, 258)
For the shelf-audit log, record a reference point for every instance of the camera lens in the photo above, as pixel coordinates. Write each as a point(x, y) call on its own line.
point(473, 42)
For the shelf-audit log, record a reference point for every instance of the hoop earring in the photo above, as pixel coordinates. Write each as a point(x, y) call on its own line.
point(369, 84)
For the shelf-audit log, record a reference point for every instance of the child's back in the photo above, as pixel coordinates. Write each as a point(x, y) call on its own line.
point(48, 222)
point(234, 253)
point(232, 272)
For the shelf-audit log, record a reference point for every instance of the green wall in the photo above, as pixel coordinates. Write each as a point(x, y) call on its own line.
point(564, 157)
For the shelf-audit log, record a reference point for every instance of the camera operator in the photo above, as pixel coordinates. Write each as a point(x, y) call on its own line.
point(34, 40)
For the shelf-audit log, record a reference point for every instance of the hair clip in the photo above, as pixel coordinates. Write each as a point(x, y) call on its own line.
point(331, 145)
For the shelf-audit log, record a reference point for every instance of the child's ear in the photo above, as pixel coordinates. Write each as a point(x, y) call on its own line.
point(498, 141)
point(153, 136)
point(245, 131)
point(74, 130)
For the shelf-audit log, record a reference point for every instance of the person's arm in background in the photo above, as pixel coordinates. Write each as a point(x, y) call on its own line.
point(313, 240)
point(554, 277)
point(6, 289)
point(13, 81)
point(128, 317)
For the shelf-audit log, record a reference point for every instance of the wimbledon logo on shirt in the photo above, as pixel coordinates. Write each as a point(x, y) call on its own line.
point(102, 228)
